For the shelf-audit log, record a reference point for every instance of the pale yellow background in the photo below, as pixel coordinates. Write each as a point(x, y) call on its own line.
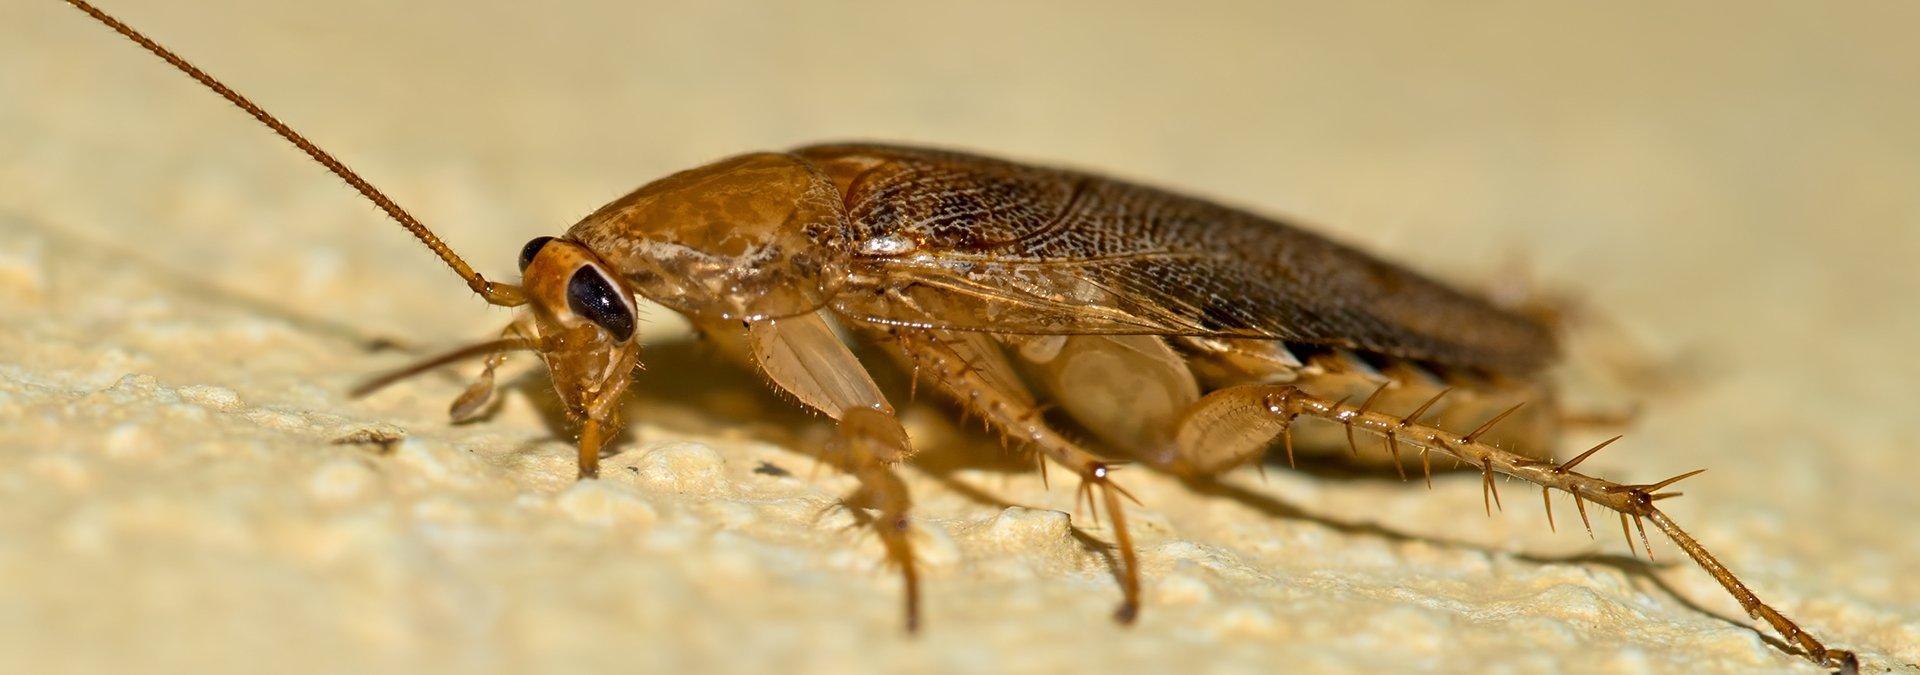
point(183, 301)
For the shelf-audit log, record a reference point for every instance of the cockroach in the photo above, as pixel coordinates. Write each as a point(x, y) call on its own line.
point(1181, 334)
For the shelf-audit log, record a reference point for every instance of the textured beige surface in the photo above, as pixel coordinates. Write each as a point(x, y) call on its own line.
point(183, 303)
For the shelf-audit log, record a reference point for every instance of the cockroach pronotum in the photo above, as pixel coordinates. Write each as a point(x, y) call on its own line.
point(1174, 332)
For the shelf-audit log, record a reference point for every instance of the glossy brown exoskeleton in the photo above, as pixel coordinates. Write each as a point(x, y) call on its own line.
point(1175, 332)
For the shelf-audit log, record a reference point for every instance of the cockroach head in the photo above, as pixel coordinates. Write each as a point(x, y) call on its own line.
point(572, 290)
point(746, 238)
point(582, 319)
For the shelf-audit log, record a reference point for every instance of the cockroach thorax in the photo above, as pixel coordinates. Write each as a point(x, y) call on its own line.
point(746, 238)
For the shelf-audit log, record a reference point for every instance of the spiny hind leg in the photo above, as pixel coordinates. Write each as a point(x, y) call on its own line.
point(968, 367)
point(1378, 382)
point(804, 358)
point(1237, 417)
point(1232, 426)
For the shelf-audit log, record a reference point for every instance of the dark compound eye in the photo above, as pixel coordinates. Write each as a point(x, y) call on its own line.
point(532, 249)
point(591, 295)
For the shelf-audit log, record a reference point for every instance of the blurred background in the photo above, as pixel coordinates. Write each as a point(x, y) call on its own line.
point(1732, 184)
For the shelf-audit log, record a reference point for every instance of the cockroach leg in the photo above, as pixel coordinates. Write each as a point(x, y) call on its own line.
point(1393, 435)
point(1282, 403)
point(1488, 426)
point(1229, 427)
point(1352, 446)
point(1546, 499)
point(1129, 609)
point(869, 443)
point(802, 356)
point(1487, 488)
point(957, 371)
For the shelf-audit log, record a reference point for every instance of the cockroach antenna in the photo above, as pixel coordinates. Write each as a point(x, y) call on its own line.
point(504, 295)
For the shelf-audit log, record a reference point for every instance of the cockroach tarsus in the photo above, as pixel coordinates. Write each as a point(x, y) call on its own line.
point(1184, 335)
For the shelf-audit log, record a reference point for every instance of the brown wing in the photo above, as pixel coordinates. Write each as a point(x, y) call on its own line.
point(990, 245)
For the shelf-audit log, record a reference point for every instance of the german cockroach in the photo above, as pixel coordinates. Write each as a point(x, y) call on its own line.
point(1178, 333)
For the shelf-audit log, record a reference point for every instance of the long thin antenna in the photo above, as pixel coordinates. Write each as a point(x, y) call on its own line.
point(506, 295)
